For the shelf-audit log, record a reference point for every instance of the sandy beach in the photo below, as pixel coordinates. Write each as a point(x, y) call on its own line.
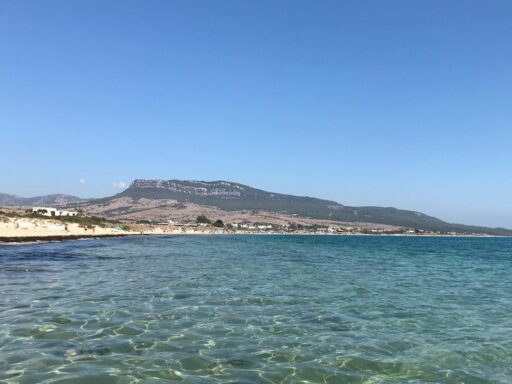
point(21, 229)
point(33, 229)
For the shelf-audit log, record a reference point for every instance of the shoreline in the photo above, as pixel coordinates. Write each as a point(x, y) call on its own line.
point(55, 238)
point(29, 229)
point(50, 238)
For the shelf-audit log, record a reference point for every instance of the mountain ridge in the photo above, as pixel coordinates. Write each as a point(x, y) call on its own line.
point(7, 200)
point(226, 196)
point(232, 196)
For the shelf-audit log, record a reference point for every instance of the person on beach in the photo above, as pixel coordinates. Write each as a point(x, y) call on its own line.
point(66, 227)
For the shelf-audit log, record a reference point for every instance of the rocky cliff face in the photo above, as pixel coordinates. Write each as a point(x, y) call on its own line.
point(220, 189)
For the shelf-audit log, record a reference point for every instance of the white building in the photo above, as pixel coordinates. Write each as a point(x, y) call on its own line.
point(48, 211)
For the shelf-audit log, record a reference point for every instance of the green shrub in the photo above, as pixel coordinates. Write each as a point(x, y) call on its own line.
point(202, 219)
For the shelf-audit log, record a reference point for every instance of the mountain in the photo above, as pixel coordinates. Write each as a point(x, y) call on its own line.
point(185, 199)
point(57, 199)
point(229, 196)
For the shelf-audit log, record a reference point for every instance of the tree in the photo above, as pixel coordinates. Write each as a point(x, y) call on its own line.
point(202, 219)
point(219, 223)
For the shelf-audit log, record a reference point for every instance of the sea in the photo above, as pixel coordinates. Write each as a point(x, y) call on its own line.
point(257, 309)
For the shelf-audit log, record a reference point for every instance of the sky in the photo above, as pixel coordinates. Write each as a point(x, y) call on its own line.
point(389, 103)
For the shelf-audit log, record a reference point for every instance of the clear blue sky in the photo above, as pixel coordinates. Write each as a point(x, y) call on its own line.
point(393, 103)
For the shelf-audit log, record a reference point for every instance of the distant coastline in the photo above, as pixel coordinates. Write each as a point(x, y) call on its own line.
point(21, 226)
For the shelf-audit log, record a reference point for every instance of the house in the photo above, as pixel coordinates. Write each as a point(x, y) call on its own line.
point(52, 212)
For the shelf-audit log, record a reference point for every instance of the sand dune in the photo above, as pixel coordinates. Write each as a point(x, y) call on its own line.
point(29, 227)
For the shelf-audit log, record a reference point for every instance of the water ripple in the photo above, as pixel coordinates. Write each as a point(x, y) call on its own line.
point(257, 309)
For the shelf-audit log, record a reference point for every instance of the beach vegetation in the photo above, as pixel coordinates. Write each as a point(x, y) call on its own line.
point(86, 220)
point(219, 223)
point(202, 219)
point(81, 220)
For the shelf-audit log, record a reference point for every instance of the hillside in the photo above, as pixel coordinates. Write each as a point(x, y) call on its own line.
point(56, 199)
point(229, 196)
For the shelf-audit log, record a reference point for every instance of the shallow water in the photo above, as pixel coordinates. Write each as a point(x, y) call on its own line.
point(257, 309)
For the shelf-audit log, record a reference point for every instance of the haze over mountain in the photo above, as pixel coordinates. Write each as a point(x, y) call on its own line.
point(7, 200)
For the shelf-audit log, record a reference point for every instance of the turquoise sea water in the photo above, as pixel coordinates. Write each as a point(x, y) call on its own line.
point(257, 309)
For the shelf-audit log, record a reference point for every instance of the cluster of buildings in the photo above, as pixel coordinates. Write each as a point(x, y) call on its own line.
point(298, 228)
point(252, 227)
point(275, 228)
